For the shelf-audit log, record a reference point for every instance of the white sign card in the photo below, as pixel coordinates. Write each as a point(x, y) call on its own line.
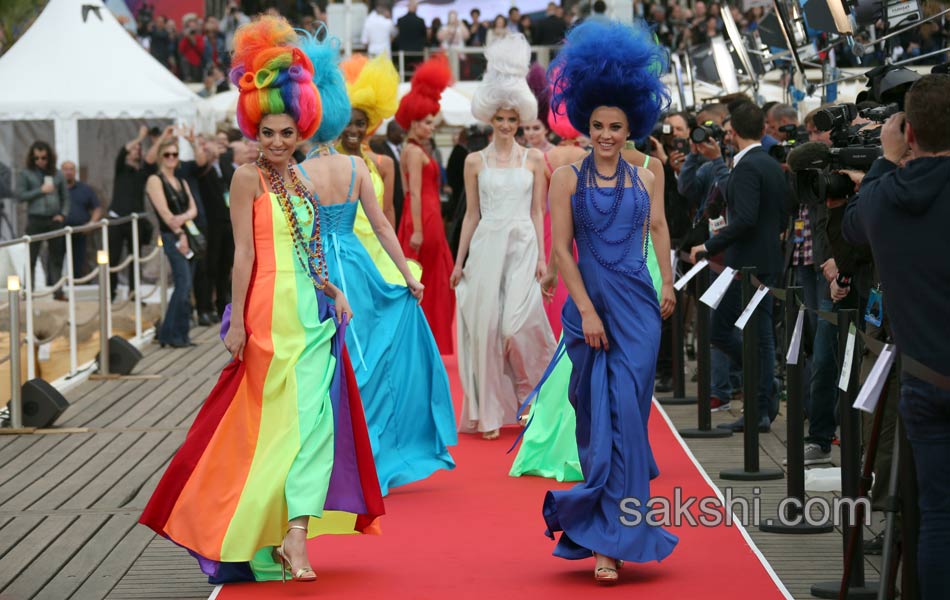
point(750, 308)
point(717, 290)
point(681, 283)
point(871, 390)
point(794, 348)
point(845, 378)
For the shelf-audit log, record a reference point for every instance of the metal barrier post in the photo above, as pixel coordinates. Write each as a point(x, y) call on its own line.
point(16, 400)
point(704, 427)
point(850, 422)
point(102, 258)
point(794, 521)
point(402, 65)
point(678, 368)
point(750, 391)
point(136, 276)
point(162, 279)
point(71, 302)
point(105, 248)
point(30, 356)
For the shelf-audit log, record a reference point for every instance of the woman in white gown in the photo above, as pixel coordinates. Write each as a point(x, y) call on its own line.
point(504, 339)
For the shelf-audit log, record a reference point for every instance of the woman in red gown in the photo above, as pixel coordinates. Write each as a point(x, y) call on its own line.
point(421, 232)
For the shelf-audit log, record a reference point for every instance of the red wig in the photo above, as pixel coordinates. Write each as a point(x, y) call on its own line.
point(428, 82)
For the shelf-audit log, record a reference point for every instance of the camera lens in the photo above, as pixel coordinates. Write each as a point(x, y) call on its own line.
point(699, 135)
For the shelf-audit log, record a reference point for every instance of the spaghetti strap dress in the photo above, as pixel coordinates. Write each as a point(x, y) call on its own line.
point(611, 391)
point(434, 255)
point(281, 435)
point(364, 231)
point(504, 338)
point(401, 376)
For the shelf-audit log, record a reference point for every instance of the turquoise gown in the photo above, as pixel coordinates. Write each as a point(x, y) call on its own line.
point(401, 377)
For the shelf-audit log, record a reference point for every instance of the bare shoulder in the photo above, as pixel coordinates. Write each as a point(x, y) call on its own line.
point(246, 174)
point(565, 176)
point(384, 162)
point(473, 161)
point(646, 174)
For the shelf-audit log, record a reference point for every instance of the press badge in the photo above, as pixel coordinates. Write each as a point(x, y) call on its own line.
point(875, 309)
point(798, 235)
point(716, 224)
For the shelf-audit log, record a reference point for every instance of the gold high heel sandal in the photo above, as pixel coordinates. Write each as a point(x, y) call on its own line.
point(302, 574)
point(607, 575)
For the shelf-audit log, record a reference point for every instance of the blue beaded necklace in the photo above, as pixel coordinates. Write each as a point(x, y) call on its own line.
point(587, 193)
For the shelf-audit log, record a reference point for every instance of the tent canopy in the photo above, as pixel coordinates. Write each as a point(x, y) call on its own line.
point(78, 62)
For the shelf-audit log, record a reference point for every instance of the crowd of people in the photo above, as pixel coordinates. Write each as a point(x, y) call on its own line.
point(328, 259)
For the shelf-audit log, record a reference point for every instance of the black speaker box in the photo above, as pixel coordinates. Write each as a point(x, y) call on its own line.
point(42, 404)
point(123, 356)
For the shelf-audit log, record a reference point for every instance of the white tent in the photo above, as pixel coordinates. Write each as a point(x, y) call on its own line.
point(77, 62)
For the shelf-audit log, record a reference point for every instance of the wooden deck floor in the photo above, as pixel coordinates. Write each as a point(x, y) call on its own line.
point(69, 501)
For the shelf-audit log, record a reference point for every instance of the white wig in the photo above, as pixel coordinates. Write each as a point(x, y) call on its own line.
point(504, 85)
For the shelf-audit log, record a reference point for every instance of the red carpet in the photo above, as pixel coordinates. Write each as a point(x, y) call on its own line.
point(476, 533)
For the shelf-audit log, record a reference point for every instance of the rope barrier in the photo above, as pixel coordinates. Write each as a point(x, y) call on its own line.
point(908, 364)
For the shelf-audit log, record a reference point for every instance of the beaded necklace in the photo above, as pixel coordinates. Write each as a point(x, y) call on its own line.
point(315, 263)
point(588, 191)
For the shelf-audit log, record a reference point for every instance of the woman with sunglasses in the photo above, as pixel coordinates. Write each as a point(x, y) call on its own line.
point(173, 202)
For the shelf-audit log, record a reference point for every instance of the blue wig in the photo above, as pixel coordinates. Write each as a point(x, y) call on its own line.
point(325, 56)
point(610, 64)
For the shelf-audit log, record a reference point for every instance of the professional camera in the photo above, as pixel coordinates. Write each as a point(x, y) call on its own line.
point(706, 131)
point(794, 136)
point(815, 164)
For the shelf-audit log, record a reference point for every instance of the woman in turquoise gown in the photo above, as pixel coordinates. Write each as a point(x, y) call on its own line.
point(402, 380)
point(401, 377)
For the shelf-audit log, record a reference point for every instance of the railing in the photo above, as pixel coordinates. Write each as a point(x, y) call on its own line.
point(69, 281)
point(404, 60)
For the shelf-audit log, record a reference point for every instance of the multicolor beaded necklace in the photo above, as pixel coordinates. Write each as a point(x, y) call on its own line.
point(588, 191)
point(304, 243)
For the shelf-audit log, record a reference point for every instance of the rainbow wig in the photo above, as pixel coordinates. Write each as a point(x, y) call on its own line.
point(610, 64)
point(373, 89)
point(274, 77)
point(325, 57)
point(504, 85)
point(428, 82)
point(538, 84)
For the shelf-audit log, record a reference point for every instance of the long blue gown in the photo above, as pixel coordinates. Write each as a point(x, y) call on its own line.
point(611, 391)
point(402, 380)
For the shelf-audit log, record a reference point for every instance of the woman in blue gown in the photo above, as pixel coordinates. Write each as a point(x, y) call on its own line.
point(402, 380)
point(607, 83)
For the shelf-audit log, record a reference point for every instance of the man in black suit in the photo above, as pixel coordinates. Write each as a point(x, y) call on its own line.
point(755, 216)
point(411, 34)
point(392, 147)
point(550, 30)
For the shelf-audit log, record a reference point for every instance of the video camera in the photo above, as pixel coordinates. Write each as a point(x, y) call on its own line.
point(794, 136)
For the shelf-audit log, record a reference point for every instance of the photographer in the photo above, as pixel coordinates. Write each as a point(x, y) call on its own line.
point(902, 213)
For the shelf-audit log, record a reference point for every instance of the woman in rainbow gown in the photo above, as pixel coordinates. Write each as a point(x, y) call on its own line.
point(608, 84)
point(279, 452)
point(401, 377)
point(373, 87)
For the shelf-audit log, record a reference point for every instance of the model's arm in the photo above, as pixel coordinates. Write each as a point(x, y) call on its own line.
point(414, 159)
point(538, 193)
point(473, 214)
point(660, 233)
point(563, 184)
point(387, 170)
point(244, 186)
point(381, 226)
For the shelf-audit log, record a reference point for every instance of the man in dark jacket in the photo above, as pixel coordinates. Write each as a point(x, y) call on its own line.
point(902, 213)
point(411, 34)
point(755, 217)
point(43, 189)
point(392, 147)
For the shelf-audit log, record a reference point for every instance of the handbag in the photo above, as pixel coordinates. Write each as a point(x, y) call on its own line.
point(197, 242)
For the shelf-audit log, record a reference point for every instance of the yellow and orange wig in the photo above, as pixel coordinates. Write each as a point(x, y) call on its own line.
point(373, 87)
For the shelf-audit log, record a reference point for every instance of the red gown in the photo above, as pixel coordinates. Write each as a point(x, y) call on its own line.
point(438, 301)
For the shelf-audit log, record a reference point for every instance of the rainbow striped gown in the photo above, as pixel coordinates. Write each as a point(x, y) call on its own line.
point(281, 435)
